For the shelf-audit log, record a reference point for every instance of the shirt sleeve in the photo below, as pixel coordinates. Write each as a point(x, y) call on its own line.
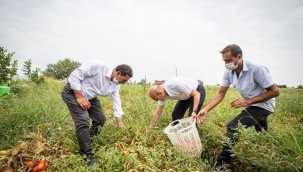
point(161, 102)
point(225, 80)
point(116, 102)
point(185, 89)
point(262, 76)
point(80, 74)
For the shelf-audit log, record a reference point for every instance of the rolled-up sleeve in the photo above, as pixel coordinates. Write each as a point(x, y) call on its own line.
point(116, 102)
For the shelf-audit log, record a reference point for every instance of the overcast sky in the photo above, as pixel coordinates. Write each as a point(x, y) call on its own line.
point(156, 37)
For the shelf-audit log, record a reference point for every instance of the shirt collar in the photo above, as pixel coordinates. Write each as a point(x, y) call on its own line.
point(109, 73)
point(244, 69)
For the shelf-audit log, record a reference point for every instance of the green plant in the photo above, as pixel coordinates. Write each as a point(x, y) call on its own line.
point(8, 66)
point(27, 71)
point(38, 111)
point(62, 69)
point(32, 75)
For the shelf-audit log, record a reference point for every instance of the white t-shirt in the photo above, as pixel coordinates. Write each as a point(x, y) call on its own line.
point(251, 82)
point(179, 88)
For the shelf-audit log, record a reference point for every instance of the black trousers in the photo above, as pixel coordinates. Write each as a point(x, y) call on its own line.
point(252, 116)
point(182, 105)
point(82, 118)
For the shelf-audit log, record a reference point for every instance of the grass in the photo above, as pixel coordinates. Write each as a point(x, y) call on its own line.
point(37, 111)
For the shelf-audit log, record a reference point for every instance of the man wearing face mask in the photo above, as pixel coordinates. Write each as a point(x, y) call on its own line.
point(80, 95)
point(257, 90)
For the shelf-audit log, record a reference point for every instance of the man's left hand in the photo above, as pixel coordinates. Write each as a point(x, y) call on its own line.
point(239, 103)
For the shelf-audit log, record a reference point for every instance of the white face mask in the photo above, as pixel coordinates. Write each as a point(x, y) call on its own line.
point(231, 66)
point(115, 81)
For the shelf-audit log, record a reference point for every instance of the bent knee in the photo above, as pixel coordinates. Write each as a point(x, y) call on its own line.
point(232, 124)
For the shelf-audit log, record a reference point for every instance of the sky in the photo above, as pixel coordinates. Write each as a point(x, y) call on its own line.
point(159, 39)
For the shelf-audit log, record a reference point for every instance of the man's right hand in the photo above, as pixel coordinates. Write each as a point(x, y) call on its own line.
point(81, 100)
point(119, 122)
point(84, 103)
point(201, 116)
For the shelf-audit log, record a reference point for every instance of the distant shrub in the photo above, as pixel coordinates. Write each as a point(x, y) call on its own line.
point(282, 86)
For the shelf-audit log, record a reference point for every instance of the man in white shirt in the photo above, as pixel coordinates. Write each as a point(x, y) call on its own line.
point(257, 90)
point(80, 95)
point(189, 93)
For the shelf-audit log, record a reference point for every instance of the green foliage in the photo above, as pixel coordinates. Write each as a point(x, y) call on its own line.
point(40, 109)
point(8, 66)
point(36, 78)
point(27, 71)
point(62, 69)
point(32, 75)
point(269, 151)
point(282, 86)
point(290, 102)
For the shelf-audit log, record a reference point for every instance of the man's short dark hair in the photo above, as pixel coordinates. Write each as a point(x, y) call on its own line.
point(233, 48)
point(125, 70)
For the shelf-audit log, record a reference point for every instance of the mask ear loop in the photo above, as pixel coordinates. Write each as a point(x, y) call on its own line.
point(239, 55)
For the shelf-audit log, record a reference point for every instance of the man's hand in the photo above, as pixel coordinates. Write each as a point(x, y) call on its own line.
point(81, 100)
point(239, 103)
point(201, 116)
point(119, 123)
point(194, 115)
point(84, 103)
point(151, 126)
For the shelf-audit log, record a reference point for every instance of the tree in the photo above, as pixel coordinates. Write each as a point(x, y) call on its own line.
point(27, 68)
point(32, 75)
point(8, 66)
point(282, 86)
point(61, 69)
point(142, 81)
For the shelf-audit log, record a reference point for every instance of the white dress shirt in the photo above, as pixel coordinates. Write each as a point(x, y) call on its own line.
point(252, 81)
point(179, 88)
point(94, 80)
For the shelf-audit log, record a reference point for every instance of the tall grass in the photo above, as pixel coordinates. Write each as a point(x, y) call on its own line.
point(40, 110)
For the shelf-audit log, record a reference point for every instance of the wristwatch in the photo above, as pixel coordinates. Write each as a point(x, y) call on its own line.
point(195, 111)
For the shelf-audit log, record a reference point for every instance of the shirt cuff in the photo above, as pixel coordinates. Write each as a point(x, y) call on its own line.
point(118, 115)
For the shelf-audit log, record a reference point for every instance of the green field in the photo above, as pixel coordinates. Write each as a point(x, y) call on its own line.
point(34, 112)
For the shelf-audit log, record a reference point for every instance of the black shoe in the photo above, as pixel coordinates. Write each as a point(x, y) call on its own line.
point(91, 161)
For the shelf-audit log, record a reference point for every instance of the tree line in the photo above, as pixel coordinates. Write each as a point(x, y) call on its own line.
point(9, 68)
point(59, 70)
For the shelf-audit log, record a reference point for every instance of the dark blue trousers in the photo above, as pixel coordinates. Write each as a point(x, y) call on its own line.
point(182, 105)
point(252, 116)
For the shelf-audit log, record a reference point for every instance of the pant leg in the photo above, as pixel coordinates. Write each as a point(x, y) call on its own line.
point(97, 115)
point(249, 117)
point(263, 124)
point(81, 120)
point(182, 105)
point(202, 92)
point(180, 109)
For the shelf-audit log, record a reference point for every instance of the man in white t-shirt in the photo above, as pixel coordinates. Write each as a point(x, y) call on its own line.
point(80, 95)
point(257, 90)
point(189, 93)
